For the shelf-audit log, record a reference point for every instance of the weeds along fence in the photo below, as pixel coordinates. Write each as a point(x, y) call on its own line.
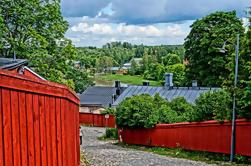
point(39, 122)
point(97, 120)
point(209, 136)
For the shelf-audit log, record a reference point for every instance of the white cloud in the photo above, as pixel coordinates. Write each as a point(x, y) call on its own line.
point(122, 29)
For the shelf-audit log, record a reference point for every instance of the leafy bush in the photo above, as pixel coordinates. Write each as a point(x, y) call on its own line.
point(245, 102)
point(137, 111)
point(110, 111)
point(211, 105)
point(167, 115)
point(111, 133)
point(180, 105)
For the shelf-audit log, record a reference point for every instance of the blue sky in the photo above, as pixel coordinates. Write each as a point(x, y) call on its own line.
point(151, 22)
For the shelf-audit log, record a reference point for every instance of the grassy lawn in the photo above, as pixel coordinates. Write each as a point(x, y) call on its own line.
point(126, 79)
point(210, 158)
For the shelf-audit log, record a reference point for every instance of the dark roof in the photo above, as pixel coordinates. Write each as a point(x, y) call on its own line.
point(98, 96)
point(190, 94)
point(9, 63)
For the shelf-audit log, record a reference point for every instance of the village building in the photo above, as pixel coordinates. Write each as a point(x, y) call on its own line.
point(96, 99)
point(19, 66)
point(168, 91)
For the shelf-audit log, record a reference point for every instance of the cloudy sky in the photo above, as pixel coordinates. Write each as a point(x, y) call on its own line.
point(151, 22)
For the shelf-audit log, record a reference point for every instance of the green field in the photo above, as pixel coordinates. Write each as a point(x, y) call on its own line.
point(126, 79)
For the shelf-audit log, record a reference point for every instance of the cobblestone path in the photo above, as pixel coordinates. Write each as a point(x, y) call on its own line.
point(101, 153)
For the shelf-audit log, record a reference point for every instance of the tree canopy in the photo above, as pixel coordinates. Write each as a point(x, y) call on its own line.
point(206, 63)
point(34, 30)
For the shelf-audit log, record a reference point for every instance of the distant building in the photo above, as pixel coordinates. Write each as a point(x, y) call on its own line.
point(95, 99)
point(18, 66)
point(168, 91)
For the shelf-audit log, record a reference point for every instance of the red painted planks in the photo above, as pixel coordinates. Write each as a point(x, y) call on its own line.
point(1, 131)
point(209, 136)
point(64, 135)
point(38, 123)
point(59, 132)
point(47, 111)
point(23, 128)
point(16, 128)
point(53, 130)
point(30, 127)
point(37, 130)
point(7, 128)
point(42, 130)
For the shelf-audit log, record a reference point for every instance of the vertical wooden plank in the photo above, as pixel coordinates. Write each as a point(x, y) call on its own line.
point(16, 128)
point(48, 129)
point(42, 130)
point(7, 128)
point(53, 131)
point(1, 131)
point(37, 137)
point(76, 122)
point(59, 132)
point(71, 129)
point(30, 125)
point(23, 128)
point(64, 135)
point(77, 136)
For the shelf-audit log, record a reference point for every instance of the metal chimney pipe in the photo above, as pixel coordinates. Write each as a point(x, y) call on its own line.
point(169, 80)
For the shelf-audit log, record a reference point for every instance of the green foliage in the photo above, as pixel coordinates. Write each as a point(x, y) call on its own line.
point(137, 111)
point(110, 111)
point(31, 25)
point(146, 111)
point(206, 63)
point(245, 75)
point(111, 133)
point(180, 105)
point(178, 71)
point(171, 59)
point(211, 105)
point(167, 115)
point(34, 30)
point(127, 79)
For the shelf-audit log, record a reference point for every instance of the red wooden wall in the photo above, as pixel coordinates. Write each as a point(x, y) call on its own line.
point(39, 122)
point(205, 136)
point(97, 120)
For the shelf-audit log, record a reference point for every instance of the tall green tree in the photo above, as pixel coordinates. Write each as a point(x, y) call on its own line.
point(245, 74)
point(34, 30)
point(31, 25)
point(202, 45)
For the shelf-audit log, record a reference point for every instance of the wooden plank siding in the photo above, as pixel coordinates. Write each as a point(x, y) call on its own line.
point(39, 122)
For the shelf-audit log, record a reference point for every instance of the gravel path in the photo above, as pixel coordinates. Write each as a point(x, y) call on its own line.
point(101, 153)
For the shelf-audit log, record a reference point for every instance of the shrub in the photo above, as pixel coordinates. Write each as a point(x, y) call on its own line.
point(180, 105)
point(111, 133)
point(211, 105)
point(245, 102)
point(167, 115)
point(137, 111)
point(110, 111)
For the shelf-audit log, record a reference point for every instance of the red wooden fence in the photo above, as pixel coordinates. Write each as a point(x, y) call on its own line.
point(205, 136)
point(39, 122)
point(97, 120)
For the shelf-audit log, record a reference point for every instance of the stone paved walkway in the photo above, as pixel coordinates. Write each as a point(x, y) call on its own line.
point(101, 153)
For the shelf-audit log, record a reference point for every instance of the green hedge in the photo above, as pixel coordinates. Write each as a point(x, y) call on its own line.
point(146, 111)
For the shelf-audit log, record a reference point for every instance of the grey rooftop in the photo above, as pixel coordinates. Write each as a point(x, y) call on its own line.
point(189, 93)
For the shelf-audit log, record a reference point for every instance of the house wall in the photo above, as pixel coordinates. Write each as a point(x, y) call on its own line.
point(39, 122)
point(91, 109)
